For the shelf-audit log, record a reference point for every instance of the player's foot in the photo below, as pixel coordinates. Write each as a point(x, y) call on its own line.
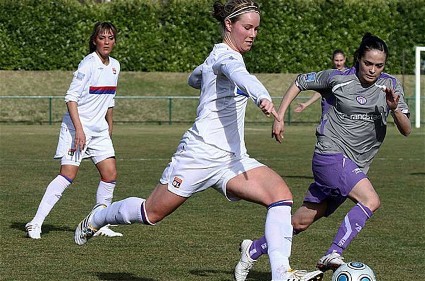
point(245, 263)
point(33, 230)
point(330, 261)
point(85, 230)
point(107, 232)
point(302, 275)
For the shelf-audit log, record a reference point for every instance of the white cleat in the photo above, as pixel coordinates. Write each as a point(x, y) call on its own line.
point(330, 261)
point(245, 263)
point(33, 230)
point(107, 232)
point(302, 275)
point(85, 230)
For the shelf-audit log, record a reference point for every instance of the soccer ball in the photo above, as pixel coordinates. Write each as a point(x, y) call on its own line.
point(354, 271)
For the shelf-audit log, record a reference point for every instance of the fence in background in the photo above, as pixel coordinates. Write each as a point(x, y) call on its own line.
point(147, 109)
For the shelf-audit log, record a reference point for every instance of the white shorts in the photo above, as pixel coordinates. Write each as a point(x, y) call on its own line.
point(98, 148)
point(196, 166)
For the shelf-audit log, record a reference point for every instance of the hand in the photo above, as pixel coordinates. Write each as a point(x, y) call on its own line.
point(268, 109)
point(278, 130)
point(391, 97)
point(300, 107)
point(80, 140)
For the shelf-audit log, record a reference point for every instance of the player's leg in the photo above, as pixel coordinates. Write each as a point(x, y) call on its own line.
point(264, 186)
point(368, 202)
point(70, 161)
point(351, 182)
point(157, 206)
point(52, 195)
point(108, 175)
point(105, 190)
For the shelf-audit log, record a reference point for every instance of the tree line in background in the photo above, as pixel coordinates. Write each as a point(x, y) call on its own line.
point(175, 36)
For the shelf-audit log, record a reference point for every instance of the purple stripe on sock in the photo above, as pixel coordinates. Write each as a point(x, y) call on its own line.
point(280, 203)
point(65, 177)
point(145, 219)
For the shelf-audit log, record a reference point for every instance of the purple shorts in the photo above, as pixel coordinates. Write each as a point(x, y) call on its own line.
point(335, 175)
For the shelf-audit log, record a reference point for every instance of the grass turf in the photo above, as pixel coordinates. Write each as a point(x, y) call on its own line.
point(200, 240)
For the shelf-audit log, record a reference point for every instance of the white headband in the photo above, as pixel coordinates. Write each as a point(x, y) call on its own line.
point(244, 10)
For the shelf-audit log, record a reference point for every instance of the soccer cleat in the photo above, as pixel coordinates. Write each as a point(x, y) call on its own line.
point(330, 261)
point(84, 230)
point(107, 232)
point(302, 275)
point(33, 230)
point(245, 263)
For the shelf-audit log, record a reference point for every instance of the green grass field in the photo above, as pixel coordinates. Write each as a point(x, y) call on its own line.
point(200, 240)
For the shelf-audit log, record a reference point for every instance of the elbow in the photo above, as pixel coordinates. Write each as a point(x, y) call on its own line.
point(407, 132)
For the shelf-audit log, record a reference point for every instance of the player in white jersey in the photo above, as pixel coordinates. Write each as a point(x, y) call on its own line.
point(86, 127)
point(212, 152)
point(338, 62)
point(349, 135)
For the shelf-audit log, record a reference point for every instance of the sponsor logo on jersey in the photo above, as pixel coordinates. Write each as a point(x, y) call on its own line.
point(71, 152)
point(80, 76)
point(361, 100)
point(365, 116)
point(310, 77)
point(177, 182)
point(114, 71)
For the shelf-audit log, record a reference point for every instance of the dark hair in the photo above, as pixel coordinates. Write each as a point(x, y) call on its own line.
point(336, 52)
point(370, 42)
point(232, 9)
point(98, 28)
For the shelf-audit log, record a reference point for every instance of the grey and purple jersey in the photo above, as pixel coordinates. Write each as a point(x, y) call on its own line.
point(356, 121)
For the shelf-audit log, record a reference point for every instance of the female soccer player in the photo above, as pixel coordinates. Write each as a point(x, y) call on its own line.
point(86, 127)
point(349, 136)
point(338, 61)
point(212, 152)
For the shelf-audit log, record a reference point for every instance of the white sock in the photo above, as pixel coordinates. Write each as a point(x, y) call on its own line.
point(126, 211)
point(51, 196)
point(105, 192)
point(278, 234)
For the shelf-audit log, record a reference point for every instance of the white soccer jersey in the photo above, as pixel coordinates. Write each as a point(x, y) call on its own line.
point(225, 87)
point(93, 88)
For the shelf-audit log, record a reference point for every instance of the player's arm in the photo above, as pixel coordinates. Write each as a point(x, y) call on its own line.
point(234, 69)
point(195, 78)
point(401, 119)
point(80, 137)
point(109, 119)
point(278, 125)
point(301, 106)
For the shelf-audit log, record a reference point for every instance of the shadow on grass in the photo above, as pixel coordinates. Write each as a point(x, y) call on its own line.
point(121, 276)
point(253, 275)
point(45, 229)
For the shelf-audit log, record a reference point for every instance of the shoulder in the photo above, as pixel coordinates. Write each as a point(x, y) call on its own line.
point(87, 62)
point(388, 80)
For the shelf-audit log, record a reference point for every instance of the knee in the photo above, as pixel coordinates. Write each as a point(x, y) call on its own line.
point(373, 203)
point(111, 176)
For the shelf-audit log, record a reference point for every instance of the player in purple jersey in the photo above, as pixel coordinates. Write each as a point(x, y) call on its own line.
point(86, 127)
point(212, 152)
point(348, 137)
point(338, 62)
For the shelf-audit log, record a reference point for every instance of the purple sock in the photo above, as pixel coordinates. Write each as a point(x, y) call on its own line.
point(258, 248)
point(353, 223)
